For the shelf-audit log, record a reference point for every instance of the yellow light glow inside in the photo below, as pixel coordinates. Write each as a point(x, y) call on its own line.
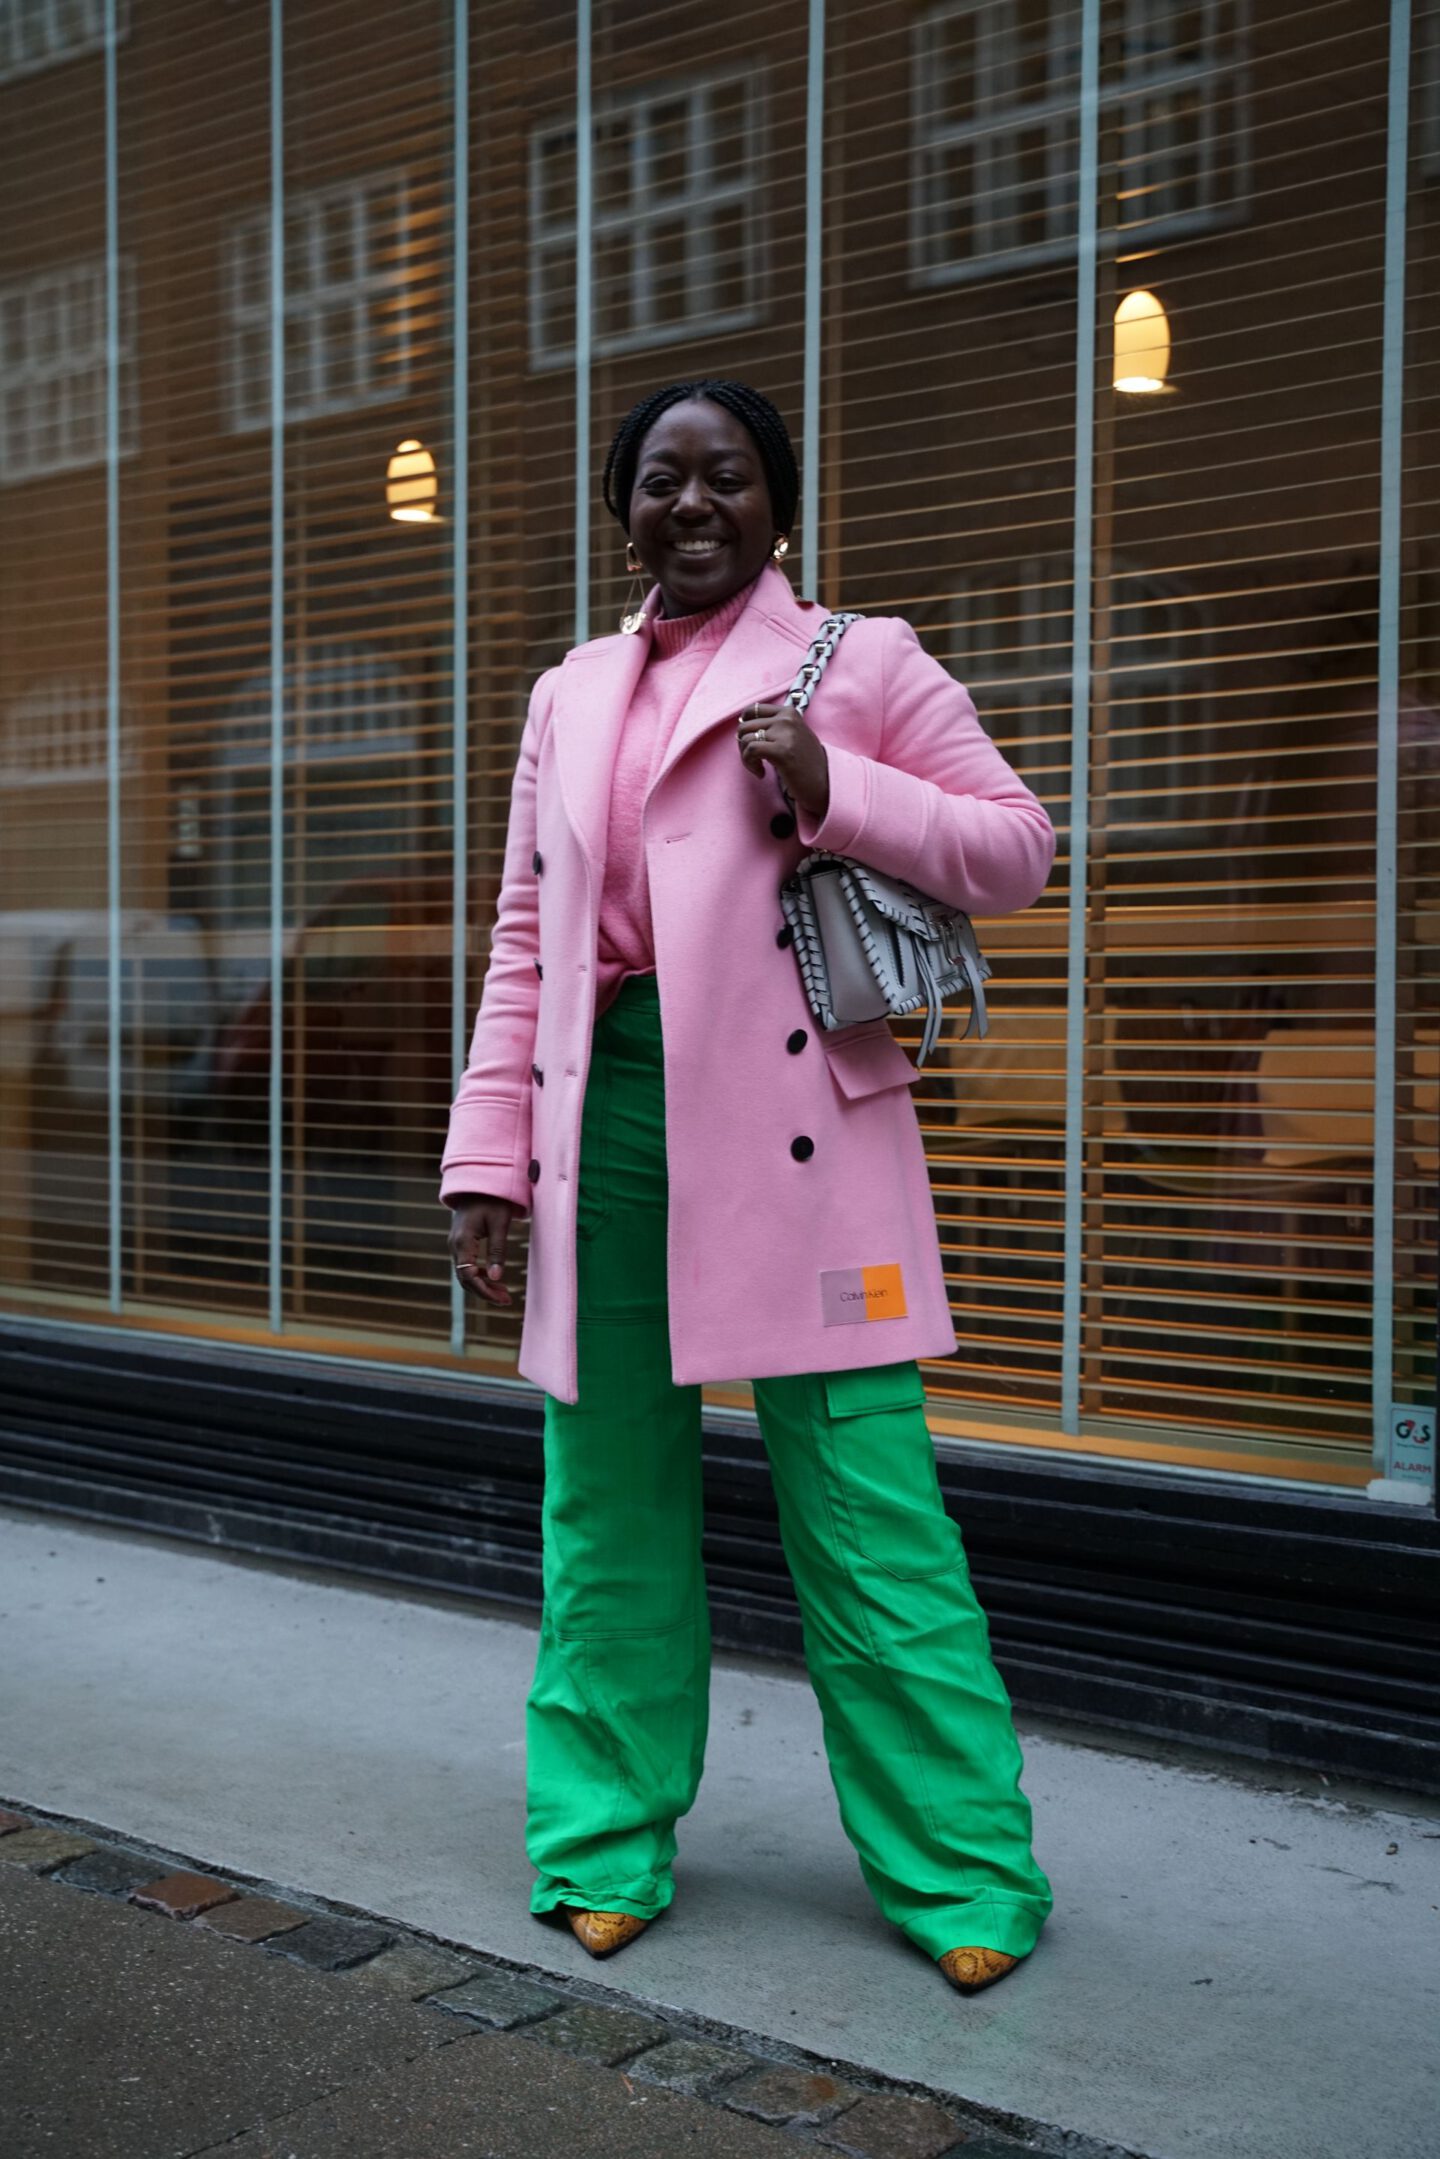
point(412, 488)
point(1142, 345)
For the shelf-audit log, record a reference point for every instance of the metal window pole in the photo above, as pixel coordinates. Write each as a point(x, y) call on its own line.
point(1080, 656)
point(114, 984)
point(1392, 432)
point(277, 662)
point(584, 253)
point(814, 265)
point(459, 581)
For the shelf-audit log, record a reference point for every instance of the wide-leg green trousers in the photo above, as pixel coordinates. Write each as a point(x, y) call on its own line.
point(918, 1730)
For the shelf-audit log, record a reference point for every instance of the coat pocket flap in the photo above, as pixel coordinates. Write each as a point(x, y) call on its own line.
point(865, 1063)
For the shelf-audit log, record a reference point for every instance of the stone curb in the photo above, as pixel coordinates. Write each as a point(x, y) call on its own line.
point(834, 2107)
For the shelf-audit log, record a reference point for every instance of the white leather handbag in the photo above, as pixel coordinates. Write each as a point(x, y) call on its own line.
point(870, 945)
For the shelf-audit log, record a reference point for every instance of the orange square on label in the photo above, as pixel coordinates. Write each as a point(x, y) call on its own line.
point(884, 1292)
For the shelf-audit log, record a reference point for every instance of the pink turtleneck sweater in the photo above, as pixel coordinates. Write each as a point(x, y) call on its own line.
point(681, 648)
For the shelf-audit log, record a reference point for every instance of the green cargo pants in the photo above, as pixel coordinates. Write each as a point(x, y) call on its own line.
point(918, 1732)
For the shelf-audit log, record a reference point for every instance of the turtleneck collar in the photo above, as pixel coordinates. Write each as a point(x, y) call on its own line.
point(672, 634)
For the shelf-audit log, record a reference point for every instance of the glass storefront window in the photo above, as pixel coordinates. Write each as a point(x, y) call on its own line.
point(1187, 1189)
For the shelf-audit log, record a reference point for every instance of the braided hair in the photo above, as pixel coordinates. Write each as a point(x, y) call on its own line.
point(756, 415)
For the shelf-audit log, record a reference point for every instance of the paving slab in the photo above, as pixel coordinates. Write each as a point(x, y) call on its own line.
point(598, 2033)
point(114, 1873)
point(330, 1943)
point(887, 2126)
point(503, 1999)
point(696, 2066)
point(41, 1849)
point(182, 1895)
point(413, 1969)
point(249, 1919)
point(784, 2094)
point(1226, 1972)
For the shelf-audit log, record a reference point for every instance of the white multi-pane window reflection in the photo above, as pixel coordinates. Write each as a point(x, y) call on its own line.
point(677, 218)
point(53, 369)
point(55, 733)
point(347, 329)
point(995, 100)
point(36, 34)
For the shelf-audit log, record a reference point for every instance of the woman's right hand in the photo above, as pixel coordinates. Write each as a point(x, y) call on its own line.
point(479, 1227)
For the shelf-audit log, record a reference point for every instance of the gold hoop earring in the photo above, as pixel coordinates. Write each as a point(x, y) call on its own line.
point(781, 548)
point(633, 613)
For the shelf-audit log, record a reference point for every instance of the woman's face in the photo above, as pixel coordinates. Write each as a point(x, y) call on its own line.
point(700, 516)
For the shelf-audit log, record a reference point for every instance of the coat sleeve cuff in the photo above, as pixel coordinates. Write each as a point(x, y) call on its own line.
point(498, 1180)
point(488, 1151)
point(844, 820)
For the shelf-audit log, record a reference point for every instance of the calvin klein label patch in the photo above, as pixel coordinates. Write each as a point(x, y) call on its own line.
point(851, 1295)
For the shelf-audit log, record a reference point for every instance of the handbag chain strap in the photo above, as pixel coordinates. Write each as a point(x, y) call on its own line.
point(817, 659)
point(812, 667)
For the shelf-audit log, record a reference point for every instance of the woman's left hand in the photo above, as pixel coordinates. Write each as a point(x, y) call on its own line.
point(776, 734)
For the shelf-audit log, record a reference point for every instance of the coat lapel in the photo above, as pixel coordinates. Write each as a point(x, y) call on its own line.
point(592, 698)
point(756, 663)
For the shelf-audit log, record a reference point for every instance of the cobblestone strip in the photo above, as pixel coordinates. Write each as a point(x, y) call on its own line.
point(182, 1895)
point(498, 1999)
point(831, 2115)
point(43, 1850)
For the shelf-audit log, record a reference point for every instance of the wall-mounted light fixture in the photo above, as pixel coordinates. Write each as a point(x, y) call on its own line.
point(412, 488)
point(1142, 346)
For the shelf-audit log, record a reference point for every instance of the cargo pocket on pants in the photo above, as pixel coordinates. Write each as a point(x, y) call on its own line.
point(883, 1462)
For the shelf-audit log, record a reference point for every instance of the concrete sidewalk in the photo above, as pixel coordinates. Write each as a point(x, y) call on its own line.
point(1231, 1968)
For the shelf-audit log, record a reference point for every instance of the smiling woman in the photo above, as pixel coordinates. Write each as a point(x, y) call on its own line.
point(708, 1181)
point(703, 477)
point(700, 514)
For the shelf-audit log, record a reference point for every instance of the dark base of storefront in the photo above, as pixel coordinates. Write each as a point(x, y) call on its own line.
point(1293, 1627)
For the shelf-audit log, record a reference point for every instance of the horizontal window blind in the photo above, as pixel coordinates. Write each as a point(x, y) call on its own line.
point(1224, 1260)
point(323, 726)
point(54, 691)
point(287, 646)
point(716, 148)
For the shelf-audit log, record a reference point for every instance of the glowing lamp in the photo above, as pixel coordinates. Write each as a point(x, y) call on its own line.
point(411, 486)
point(1142, 345)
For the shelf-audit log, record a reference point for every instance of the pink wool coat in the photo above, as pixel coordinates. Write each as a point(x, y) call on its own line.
point(768, 1239)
